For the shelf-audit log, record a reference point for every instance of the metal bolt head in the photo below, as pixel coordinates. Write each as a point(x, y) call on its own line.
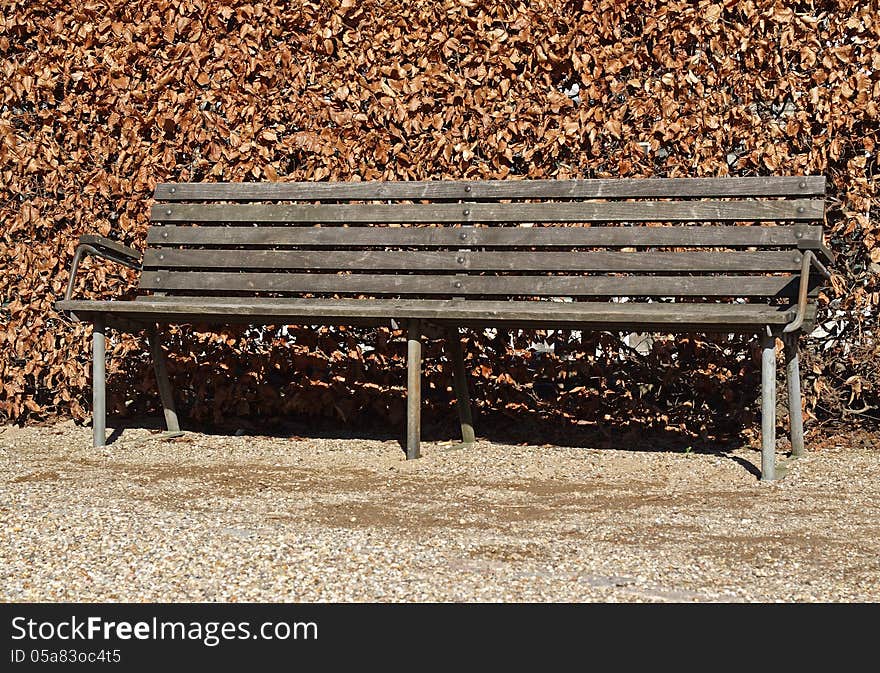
point(161, 256)
point(466, 212)
point(463, 236)
point(797, 258)
point(164, 234)
point(799, 234)
point(457, 285)
point(460, 260)
point(168, 212)
point(801, 209)
point(173, 190)
point(467, 188)
point(802, 184)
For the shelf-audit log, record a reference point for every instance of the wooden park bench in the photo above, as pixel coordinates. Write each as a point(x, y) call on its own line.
point(733, 255)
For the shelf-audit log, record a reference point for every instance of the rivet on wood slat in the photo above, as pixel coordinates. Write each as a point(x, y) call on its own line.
point(800, 209)
point(164, 234)
point(796, 259)
point(460, 260)
point(457, 285)
point(463, 236)
point(168, 212)
point(466, 212)
point(467, 188)
point(799, 234)
point(802, 184)
point(174, 190)
point(161, 256)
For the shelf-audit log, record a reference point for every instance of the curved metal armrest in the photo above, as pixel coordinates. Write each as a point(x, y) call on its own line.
point(99, 246)
point(809, 261)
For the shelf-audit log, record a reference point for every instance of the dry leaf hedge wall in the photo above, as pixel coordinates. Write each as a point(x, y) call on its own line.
point(101, 100)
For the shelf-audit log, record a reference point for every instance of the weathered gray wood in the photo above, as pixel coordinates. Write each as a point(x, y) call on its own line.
point(793, 384)
point(630, 313)
point(811, 185)
point(462, 260)
point(99, 376)
point(413, 389)
point(471, 322)
point(768, 408)
point(166, 394)
point(802, 236)
point(509, 286)
point(138, 321)
point(618, 211)
point(460, 386)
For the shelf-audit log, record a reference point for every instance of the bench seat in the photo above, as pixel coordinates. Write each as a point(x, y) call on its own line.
point(573, 315)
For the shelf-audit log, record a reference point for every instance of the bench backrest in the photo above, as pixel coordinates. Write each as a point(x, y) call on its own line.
point(498, 239)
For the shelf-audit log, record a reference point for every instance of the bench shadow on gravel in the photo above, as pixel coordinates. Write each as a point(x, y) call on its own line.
point(527, 428)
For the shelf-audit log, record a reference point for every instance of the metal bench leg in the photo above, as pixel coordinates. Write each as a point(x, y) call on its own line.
point(99, 395)
point(459, 382)
point(165, 392)
point(793, 377)
point(413, 389)
point(768, 408)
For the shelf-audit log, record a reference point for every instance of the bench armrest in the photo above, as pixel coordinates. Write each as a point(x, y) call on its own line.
point(100, 246)
point(809, 261)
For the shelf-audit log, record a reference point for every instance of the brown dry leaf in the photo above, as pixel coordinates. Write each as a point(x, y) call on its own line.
point(96, 112)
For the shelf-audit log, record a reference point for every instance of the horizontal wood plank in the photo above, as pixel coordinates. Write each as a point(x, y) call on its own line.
point(365, 236)
point(400, 284)
point(466, 260)
point(790, 186)
point(618, 211)
point(339, 311)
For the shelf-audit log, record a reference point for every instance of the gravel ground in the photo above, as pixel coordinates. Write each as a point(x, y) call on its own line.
point(244, 518)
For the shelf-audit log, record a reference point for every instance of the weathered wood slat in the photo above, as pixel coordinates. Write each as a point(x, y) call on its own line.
point(137, 322)
point(248, 300)
point(465, 260)
point(655, 314)
point(811, 185)
point(684, 236)
point(617, 211)
point(575, 286)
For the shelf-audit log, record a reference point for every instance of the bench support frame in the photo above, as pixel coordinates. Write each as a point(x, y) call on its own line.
point(99, 382)
point(768, 400)
point(166, 393)
point(460, 386)
point(413, 389)
point(793, 383)
point(768, 407)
